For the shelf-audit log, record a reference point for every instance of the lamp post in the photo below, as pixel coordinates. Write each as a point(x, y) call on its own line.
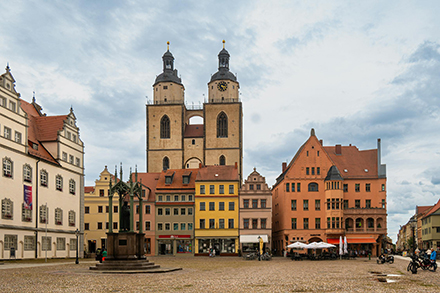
point(413, 223)
point(76, 234)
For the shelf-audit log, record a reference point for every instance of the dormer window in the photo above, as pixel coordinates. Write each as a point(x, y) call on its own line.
point(168, 179)
point(35, 146)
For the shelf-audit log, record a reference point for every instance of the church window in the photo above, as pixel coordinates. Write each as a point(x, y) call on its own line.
point(222, 125)
point(166, 163)
point(165, 127)
point(222, 160)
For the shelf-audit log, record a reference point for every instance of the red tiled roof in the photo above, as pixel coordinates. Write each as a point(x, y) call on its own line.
point(353, 163)
point(433, 210)
point(150, 180)
point(177, 183)
point(217, 173)
point(422, 209)
point(195, 130)
point(89, 189)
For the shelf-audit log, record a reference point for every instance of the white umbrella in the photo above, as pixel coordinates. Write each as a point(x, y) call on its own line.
point(345, 245)
point(297, 245)
point(313, 245)
point(340, 245)
point(326, 245)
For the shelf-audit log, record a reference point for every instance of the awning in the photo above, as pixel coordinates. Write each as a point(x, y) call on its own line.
point(253, 238)
point(352, 240)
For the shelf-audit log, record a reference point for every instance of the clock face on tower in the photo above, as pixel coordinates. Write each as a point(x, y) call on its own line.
point(222, 86)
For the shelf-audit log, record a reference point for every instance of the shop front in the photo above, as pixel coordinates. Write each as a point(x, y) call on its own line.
point(222, 246)
point(175, 244)
point(251, 243)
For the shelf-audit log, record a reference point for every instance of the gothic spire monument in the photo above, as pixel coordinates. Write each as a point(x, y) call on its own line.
point(173, 142)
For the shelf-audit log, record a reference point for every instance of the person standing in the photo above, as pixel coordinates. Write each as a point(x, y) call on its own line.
point(104, 255)
point(433, 256)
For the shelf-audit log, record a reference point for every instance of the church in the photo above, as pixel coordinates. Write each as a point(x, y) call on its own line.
point(173, 142)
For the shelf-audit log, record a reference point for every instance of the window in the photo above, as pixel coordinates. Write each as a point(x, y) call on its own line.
point(190, 226)
point(160, 198)
point(59, 183)
point(185, 179)
point(167, 226)
point(258, 186)
point(115, 225)
point(74, 137)
point(313, 186)
point(221, 189)
point(293, 205)
point(367, 187)
point(167, 211)
point(307, 171)
point(169, 179)
point(263, 223)
point(357, 203)
point(165, 164)
point(383, 203)
point(107, 209)
point(383, 187)
point(3, 102)
point(159, 226)
point(182, 226)
point(287, 187)
point(251, 187)
point(64, 157)
point(317, 205)
point(298, 187)
point(168, 197)
point(26, 214)
point(10, 241)
point(58, 216)
point(72, 186)
point(221, 223)
point(211, 189)
point(43, 178)
point(69, 135)
point(182, 211)
point(318, 170)
point(147, 209)
point(17, 137)
point(345, 187)
point(255, 203)
point(254, 223)
point(317, 223)
point(345, 204)
point(147, 226)
point(176, 226)
point(7, 209)
point(7, 133)
point(231, 223)
point(99, 225)
point(175, 211)
point(231, 206)
point(202, 206)
point(43, 214)
point(293, 224)
point(165, 127)
point(115, 210)
point(212, 206)
point(306, 223)
point(47, 242)
point(245, 223)
point(263, 203)
point(246, 203)
point(221, 206)
point(77, 161)
point(305, 204)
point(72, 218)
point(202, 189)
point(202, 223)
point(29, 242)
point(211, 224)
point(27, 173)
point(368, 203)
point(7, 167)
point(313, 170)
point(101, 192)
point(231, 189)
point(100, 209)
point(159, 211)
point(71, 159)
point(222, 160)
point(190, 211)
point(222, 125)
point(190, 197)
point(357, 187)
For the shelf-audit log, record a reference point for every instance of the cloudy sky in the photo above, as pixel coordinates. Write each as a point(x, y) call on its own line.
point(353, 70)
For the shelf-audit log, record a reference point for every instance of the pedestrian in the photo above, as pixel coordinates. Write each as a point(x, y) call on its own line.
point(104, 254)
point(428, 252)
point(213, 252)
point(433, 256)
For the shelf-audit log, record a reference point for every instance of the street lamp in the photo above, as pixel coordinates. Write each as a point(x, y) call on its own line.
point(76, 234)
point(413, 224)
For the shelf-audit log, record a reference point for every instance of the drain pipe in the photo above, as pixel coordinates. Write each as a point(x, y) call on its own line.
point(36, 209)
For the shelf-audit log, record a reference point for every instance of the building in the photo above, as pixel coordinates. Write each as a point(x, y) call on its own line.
point(173, 142)
point(420, 213)
point(96, 211)
point(216, 210)
point(330, 191)
point(42, 179)
point(255, 199)
point(175, 212)
point(431, 227)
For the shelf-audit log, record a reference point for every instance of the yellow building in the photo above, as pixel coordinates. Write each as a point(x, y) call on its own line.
point(96, 210)
point(216, 210)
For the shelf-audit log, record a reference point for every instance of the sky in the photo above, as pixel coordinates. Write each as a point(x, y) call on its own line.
point(355, 71)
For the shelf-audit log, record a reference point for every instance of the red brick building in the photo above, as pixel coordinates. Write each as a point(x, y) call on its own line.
point(330, 191)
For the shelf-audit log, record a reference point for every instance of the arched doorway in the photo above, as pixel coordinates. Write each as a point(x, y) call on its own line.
point(193, 163)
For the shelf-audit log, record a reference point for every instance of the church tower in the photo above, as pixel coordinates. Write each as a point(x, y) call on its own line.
point(172, 142)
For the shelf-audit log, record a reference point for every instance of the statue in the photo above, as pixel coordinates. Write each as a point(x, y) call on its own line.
point(125, 217)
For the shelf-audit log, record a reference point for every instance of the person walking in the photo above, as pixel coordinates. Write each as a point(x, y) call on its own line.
point(104, 255)
point(433, 256)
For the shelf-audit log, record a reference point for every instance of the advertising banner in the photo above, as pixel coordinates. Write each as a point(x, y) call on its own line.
point(28, 197)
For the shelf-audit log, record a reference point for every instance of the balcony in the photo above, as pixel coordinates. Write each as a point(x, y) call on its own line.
point(359, 212)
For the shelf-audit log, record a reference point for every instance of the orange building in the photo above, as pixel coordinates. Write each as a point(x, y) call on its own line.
point(330, 191)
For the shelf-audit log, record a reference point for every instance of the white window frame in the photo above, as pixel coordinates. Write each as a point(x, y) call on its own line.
point(46, 243)
point(72, 186)
point(7, 167)
point(61, 243)
point(72, 217)
point(64, 156)
point(7, 209)
point(10, 241)
point(27, 173)
point(44, 213)
point(44, 178)
point(59, 183)
point(26, 214)
point(18, 137)
point(7, 132)
point(58, 216)
point(29, 243)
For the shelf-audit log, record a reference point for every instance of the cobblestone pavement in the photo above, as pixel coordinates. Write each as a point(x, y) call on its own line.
point(225, 274)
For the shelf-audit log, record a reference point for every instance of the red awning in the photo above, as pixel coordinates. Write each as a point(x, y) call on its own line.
point(352, 240)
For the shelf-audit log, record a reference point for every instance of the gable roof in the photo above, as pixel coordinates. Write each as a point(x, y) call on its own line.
point(422, 209)
point(89, 189)
point(353, 163)
point(150, 180)
point(218, 173)
point(177, 182)
point(435, 208)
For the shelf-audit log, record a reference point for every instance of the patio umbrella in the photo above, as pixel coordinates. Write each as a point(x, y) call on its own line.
point(325, 245)
point(345, 245)
point(313, 245)
point(340, 246)
point(297, 245)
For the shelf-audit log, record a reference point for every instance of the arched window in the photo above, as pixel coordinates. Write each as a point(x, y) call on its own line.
point(58, 216)
point(166, 163)
point(222, 160)
point(27, 173)
point(43, 178)
point(72, 186)
point(313, 186)
point(165, 127)
point(222, 125)
point(7, 167)
point(7, 209)
point(59, 183)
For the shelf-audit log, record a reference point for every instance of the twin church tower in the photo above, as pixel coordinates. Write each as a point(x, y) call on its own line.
point(174, 143)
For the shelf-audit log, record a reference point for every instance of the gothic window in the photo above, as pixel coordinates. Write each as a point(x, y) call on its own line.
point(72, 186)
point(165, 127)
point(43, 178)
point(222, 125)
point(222, 160)
point(27, 173)
point(7, 209)
point(166, 163)
point(7, 167)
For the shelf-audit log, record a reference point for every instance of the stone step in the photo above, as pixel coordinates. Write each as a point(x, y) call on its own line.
point(112, 263)
point(125, 268)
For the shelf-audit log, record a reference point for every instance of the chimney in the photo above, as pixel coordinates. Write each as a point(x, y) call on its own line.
point(284, 166)
point(321, 142)
point(236, 165)
point(379, 154)
point(338, 149)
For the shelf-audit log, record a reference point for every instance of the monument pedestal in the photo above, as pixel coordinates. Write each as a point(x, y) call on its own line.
point(125, 245)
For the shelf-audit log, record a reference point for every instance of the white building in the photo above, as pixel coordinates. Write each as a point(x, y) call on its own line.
point(42, 179)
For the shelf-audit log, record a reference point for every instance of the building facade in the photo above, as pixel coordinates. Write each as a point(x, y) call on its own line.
point(330, 191)
point(175, 212)
point(173, 142)
point(216, 210)
point(42, 179)
point(431, 227)
point(255, 200)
